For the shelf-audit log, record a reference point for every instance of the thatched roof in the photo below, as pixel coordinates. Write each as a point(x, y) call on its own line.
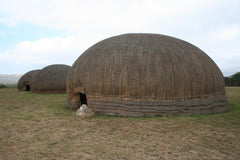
point(26, 80)
point(51, 79)
point(146, 74)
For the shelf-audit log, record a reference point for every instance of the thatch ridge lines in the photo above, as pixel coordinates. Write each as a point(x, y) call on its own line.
point(27, 79)
point(145, 68)
point(52, 78)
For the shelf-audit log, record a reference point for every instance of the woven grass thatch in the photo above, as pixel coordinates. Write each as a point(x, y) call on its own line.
point(146, 75)
point(51, 79)
point(25, 82)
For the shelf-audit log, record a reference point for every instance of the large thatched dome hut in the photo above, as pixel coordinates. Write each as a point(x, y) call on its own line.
point(25, 82)
point(146, 75)
point(51, 79)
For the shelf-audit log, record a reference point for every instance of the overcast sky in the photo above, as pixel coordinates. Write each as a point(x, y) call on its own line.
point(37, 33)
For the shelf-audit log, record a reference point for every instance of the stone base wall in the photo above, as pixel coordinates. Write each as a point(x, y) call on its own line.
point(206, 105)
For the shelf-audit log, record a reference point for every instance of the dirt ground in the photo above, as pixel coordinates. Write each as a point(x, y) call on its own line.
point(38, 126)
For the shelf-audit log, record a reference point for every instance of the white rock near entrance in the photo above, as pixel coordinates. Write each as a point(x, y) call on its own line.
point(84, 112)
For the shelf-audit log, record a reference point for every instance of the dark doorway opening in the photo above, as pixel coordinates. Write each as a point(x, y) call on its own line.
point(83, 98)
point(27, 87)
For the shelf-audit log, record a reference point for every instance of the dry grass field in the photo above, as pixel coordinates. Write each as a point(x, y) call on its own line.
point(38, 126)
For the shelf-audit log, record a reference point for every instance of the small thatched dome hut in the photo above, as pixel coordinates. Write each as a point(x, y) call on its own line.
point(25, 82)
point(51, 79)
point(146, 75)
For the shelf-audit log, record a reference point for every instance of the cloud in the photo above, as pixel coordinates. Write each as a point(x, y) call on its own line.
point(77, 16)
point(212, 25)
point(225, 34)
point(230, 68)
point(45, 51)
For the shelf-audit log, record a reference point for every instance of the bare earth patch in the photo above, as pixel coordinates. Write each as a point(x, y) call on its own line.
point(38, 126)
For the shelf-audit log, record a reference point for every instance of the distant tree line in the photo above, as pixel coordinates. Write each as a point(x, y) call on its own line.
point(8, 85)
point(3, 86)
point(233, 80)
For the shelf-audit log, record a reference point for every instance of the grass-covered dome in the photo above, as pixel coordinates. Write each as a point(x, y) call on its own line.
point(146, 74)
point(25, 82)
point(51, 79)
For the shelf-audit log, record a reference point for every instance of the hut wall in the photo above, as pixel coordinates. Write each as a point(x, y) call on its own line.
point(146, 74)
point(26, 79)
point(51, 79)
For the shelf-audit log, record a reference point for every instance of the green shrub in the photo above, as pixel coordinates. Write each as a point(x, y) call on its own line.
point(3, 86)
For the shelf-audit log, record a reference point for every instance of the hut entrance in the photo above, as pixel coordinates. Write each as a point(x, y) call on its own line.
point(27, 87)
point(83, 98)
